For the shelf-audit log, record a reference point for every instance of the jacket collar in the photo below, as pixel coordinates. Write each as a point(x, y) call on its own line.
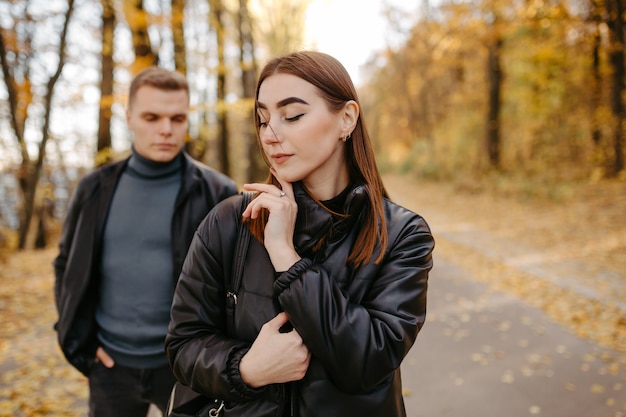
point(314, 221)
point(191, 177)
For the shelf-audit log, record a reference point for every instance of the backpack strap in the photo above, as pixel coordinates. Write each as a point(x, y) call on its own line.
point(239, 258)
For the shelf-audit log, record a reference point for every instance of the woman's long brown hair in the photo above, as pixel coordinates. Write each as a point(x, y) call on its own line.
point(335, 86)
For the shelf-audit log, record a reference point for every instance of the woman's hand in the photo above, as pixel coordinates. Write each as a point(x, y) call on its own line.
point(281, 223)
point(275, 357)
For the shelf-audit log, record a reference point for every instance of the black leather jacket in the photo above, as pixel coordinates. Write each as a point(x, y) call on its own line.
point(359, 324)
point(78, 262)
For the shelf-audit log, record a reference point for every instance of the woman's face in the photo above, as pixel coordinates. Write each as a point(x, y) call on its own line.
point(301, 138)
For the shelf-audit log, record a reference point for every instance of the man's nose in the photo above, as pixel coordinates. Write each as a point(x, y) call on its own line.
point(165, 126)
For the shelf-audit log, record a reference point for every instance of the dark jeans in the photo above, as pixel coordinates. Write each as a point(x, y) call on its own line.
point(128, 392)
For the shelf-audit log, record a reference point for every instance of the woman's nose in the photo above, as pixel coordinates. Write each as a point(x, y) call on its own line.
point(268, 135)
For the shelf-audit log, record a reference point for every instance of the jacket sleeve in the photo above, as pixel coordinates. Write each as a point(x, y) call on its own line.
point(72, 266)
point(200, 353)
point(361, 339)
point(67, 240)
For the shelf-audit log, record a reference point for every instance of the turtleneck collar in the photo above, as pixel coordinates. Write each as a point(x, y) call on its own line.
point(314, 221)
point(337, 203)
point(148, 168)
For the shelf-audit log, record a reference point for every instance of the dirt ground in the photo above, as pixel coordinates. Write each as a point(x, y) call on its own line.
point(566, 256)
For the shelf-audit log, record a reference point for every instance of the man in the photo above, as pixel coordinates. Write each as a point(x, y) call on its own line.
point(124, 240)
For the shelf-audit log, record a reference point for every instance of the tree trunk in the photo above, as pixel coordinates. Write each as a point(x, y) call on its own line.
point(104, 153)
point(137, 20)
point(256, 166)
point(17, 112)
point(178, 35)
point(17, 107)
point(615, 12)
point(494, 77)
point(33, 180)
point(217, 9)
point(596, 89)
point(192, 146)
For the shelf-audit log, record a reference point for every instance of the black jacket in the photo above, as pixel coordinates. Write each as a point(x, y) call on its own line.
point(359, 324)
point(78, 262)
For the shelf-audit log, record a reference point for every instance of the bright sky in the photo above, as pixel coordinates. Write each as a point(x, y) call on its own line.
point(350, 30)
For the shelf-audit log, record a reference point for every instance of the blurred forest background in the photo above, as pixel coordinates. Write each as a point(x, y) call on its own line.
point(520, 97)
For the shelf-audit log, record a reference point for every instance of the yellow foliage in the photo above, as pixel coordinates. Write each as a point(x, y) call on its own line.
point(140, 63)
point(104, 156)
point(9, 240)
point(135, 17)
point(107, 101)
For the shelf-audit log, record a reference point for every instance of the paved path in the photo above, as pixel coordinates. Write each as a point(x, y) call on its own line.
point(484, 353)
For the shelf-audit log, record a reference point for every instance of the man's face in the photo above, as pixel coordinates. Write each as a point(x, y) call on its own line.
point(159, 122)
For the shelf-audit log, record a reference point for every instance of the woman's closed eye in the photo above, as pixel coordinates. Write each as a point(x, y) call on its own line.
point(264, 123)
point(294, 118)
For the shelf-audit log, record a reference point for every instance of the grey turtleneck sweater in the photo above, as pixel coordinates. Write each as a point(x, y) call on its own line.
point(136, 274)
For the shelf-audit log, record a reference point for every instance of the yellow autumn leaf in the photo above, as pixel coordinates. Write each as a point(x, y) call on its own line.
point(597, 389)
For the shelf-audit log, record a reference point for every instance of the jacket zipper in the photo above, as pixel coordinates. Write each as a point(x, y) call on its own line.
point(288, 408)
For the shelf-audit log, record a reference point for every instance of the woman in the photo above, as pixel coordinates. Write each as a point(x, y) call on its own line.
point(333, 292)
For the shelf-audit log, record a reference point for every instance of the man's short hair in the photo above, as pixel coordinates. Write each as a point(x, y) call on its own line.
point(160, 78)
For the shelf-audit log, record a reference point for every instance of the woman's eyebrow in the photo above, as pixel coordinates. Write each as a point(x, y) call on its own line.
point(283, 102)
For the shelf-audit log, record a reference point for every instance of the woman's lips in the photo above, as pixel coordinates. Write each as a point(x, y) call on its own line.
point(280, 158)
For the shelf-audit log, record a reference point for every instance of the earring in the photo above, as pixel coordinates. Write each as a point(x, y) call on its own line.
point(347, 138)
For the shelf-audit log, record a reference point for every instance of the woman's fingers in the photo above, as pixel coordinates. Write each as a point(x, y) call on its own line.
point(286, 186)
point(279, 229)
point(269, 189)
point(275, 357)
point(270, 197)
point(277, 322)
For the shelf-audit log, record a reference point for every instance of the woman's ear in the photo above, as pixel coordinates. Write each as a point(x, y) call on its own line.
point(350, 115)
